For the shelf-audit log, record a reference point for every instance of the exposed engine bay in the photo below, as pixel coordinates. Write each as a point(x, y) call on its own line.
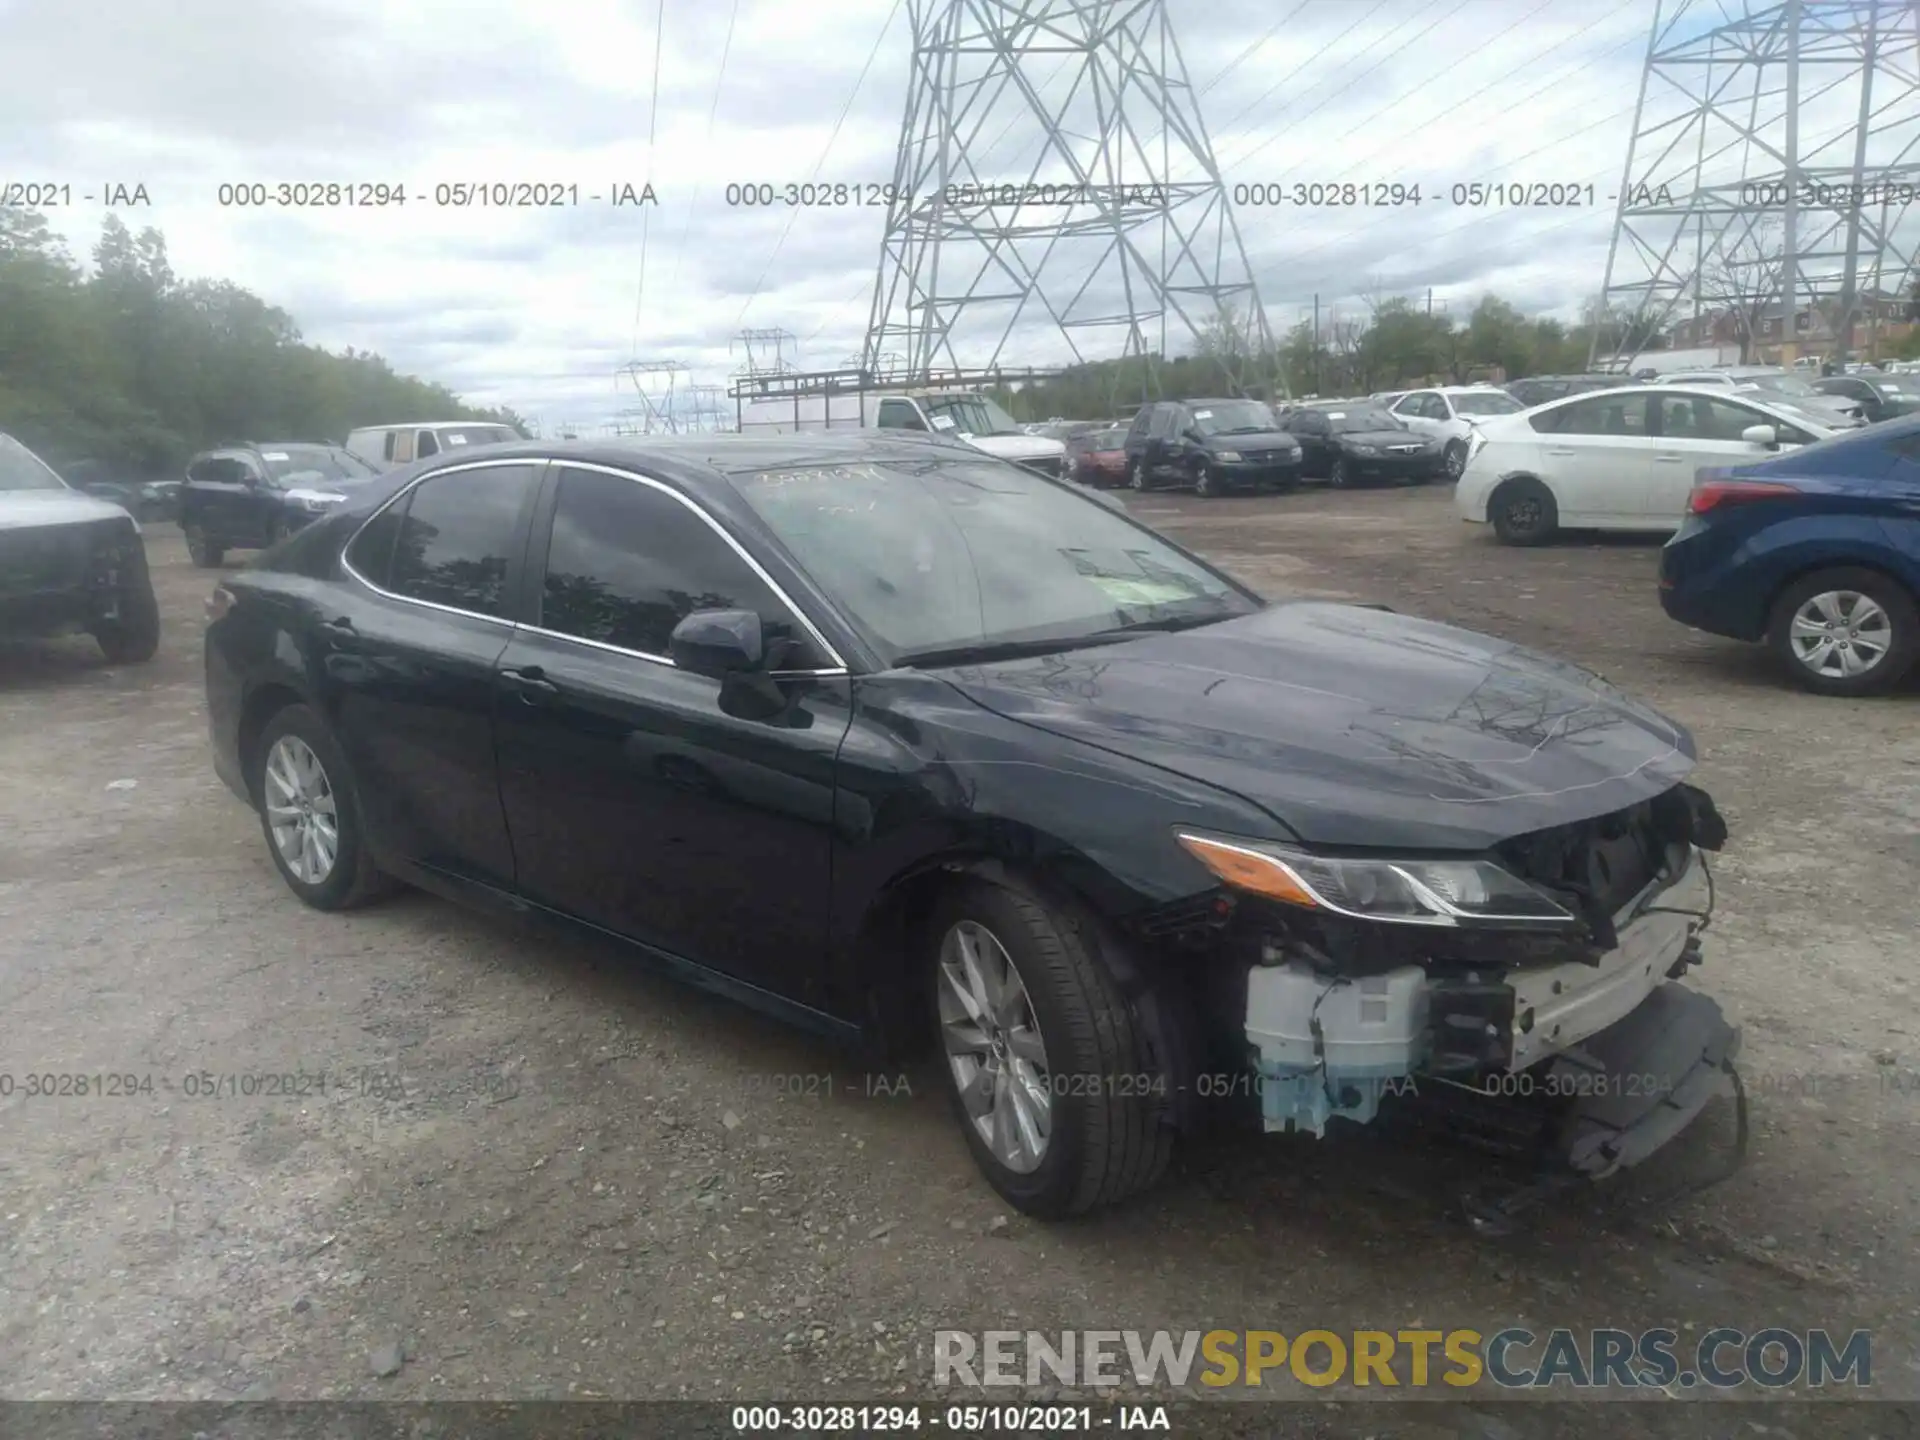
point(1581, 1039)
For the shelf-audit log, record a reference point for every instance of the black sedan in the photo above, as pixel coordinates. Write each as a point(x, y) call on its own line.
point(1350, 444)
point(906, 743)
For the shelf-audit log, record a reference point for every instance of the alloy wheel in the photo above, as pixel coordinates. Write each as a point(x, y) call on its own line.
point(1203, 479)
point(1136, 476)
point(1456, 460)
point(1840, 633)
point(1524, 514)
point(1337, 476)
point(301, 811)
point(994, 1047)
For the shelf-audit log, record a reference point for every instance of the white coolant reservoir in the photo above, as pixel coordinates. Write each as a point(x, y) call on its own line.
point(1373, 1031)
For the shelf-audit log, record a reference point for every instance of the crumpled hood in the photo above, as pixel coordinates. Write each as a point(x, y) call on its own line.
point(1019, 447)
point(1387, 439)
point(30, 509)
point(1356, 727)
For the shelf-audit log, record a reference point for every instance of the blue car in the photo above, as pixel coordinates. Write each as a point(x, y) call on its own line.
point(1815, 552)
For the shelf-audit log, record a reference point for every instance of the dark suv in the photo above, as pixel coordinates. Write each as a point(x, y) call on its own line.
point(246, 497)
point(1211, 445)
point(70, 561)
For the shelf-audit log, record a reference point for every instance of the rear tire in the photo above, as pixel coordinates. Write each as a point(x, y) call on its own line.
point(1524, 513)
point(1105, 1099)
point(1862, 616)
point(133, 636)
point(290, 739)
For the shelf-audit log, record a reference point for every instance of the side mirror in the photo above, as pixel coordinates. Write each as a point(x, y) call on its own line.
point(1763, 435)
point(718, 643)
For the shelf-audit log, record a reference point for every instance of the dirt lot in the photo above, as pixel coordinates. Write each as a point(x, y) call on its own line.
point(539, 1173)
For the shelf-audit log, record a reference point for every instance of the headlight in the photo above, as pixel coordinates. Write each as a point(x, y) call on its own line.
point(1476, 444)
point(1228, 457)
point(1366, 450)
point(1450, 893)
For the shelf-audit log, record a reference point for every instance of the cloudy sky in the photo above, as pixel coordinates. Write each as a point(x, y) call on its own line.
point(539, 308)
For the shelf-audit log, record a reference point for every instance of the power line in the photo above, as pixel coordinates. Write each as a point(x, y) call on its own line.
point(1274, 89)
point(653, 125)
point(821, 164)
point(1459, 5)
point(1459, 103)
point(726, 49)
point(1247, 53)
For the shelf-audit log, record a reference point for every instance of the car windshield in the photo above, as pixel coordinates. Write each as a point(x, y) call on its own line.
point(21, 469)
point(1233, 417)
point(970, 415)
point(306, 464)
point(1355, 422)
point(476, 435)
point(945, 557)
point(1486, 402)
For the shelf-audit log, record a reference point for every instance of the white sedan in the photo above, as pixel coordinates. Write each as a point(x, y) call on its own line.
point(1615, 459)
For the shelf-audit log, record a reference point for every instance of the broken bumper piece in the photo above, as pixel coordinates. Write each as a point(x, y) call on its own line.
point(1612, 1059)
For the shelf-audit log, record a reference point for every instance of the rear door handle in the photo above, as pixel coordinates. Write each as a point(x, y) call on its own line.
point(530, 684)
point(1564, 454)
point(1670, 459)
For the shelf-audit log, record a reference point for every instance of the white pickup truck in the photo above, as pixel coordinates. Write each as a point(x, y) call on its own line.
point(961, 414)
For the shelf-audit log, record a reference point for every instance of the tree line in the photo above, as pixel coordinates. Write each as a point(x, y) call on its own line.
point(1383, 344)
point(124, 364)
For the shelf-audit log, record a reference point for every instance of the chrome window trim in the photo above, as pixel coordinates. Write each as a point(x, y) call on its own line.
point(839, 666)
point(395, 499)
point(663, 660)
point(838, 670)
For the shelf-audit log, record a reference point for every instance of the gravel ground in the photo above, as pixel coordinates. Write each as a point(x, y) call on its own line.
point(538, 1172)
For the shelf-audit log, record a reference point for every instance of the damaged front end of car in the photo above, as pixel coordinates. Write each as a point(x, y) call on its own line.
point(1531, 991)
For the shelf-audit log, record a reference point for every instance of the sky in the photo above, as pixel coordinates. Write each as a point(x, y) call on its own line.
point(539, 308)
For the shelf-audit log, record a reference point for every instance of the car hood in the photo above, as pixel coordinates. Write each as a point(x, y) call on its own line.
point(1354, 726)
point(30, 509)
point(1384, 438)
point(1254, 440)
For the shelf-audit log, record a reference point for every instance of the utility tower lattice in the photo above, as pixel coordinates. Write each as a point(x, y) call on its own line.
point(1118, 226)
point(655, 413)
point(1774, 162)
point(757, 343)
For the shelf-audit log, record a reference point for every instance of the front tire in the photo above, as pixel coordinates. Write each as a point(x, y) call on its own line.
point(1455, 459)
point(1136, 475)
point(1338, 477)
point(132, 637)
point(1845, 631)
point(310, 813)
point(1524, 513)
point(1049, 1071)
point(1205, 484)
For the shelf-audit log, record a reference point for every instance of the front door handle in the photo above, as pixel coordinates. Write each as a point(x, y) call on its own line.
point(342, 626)
point(1670, 459)
point(530, 684)
point(1563, 454)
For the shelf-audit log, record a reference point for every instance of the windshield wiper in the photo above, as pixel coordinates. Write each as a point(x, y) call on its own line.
point(1162, 623)
point(1006, 649)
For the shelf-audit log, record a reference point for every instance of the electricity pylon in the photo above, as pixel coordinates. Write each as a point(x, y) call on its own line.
point(1773, 165)
point(1117, 224)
